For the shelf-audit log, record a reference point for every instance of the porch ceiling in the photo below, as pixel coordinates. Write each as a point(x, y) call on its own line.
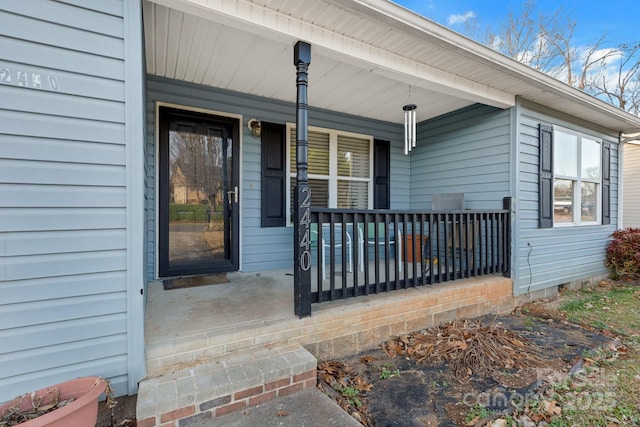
point(196, 49)
point(369, 58)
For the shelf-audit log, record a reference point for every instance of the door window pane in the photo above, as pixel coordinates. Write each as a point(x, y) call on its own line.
point(562, 201)
point(565, 154)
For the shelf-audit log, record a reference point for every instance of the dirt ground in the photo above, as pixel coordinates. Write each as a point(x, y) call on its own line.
point(400, 391)
point(124, 413)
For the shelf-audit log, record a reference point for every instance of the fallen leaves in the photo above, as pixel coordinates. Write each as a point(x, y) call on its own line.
point(362, 385)
point(367, 359)
point(351, 387)
point(551, 407)
point(14, 415)
point(470, 346)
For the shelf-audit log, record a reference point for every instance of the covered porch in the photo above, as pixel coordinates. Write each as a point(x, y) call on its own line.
point(222, 347)
point(232, 345)
point(354, 93)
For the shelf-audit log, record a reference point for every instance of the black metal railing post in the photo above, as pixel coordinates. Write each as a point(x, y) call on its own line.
point(302, 195)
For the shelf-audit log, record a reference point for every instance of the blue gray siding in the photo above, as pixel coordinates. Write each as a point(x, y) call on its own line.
point(63, 216)
point(563, 254)
point(468, 152)
point(261, 248)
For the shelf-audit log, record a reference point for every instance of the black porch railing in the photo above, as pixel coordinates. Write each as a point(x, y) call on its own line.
point(360, 252)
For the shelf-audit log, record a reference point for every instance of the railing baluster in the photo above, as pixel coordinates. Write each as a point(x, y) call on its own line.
point(423, 250)
point(355, 260)
point(387, 269)
point(376, 252)
point(344, 254)
point(499, 245)
point(332, 256)
point(430, 251)
point(365, 253)
point(494, 246)
point(483, 243)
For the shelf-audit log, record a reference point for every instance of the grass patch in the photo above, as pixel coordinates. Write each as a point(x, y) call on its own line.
point(477, 413)
point(612, 307)
point(606, 391)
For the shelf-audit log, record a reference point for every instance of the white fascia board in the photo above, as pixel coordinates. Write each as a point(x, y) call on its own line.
point(341, 47)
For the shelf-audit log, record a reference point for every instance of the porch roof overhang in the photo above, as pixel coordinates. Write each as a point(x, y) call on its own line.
point(369, 58)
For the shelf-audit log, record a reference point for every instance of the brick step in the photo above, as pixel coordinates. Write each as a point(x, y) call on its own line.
point(189, 351)
point(208, 390)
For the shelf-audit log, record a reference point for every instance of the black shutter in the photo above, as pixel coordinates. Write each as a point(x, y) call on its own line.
point(273, 175)
point(606, 183)
point(546, 177)
point(381, 174)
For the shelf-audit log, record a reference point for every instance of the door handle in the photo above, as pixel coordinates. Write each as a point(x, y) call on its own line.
point(233, 192)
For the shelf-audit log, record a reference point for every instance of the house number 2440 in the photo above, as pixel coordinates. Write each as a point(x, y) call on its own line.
point(305, 221)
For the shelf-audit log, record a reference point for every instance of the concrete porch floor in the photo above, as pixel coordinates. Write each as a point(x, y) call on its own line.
point(220, 348)
point(247, 300)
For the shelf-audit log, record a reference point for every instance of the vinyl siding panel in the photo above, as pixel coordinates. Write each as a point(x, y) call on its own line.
point(56, 104)
point(468, 152)
point(261, 248)
point(108, 23)
point(631, 184)
point(44, 196)
point(20, 147)
point(55, 58)
point(553, 256)
point(42, 32)
point(63, 228)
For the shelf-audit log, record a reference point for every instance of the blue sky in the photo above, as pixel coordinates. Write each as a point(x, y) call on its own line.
point(619, 19)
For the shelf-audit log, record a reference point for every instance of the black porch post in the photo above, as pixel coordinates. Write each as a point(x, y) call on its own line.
point(302, 195)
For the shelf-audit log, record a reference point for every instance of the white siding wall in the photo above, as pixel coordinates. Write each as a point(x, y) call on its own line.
point(552, 256)
point(631, 184)
point(63, 235)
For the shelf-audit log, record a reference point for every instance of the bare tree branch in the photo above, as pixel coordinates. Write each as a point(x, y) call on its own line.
point(546, 42)
point(618, 79)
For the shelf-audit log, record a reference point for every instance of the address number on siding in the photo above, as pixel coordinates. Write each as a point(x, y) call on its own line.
point(23, 78)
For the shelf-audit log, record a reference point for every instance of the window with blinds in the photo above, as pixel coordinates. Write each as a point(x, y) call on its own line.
point(339, 168)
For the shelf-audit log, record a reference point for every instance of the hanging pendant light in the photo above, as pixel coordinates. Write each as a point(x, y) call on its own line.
point(409, 127)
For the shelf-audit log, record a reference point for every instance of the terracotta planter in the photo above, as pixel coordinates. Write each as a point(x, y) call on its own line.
point(82, 412)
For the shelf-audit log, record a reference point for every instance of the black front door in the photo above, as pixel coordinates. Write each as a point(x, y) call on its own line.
point(198, 206)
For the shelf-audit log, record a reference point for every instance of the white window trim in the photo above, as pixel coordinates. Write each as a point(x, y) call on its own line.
point(576, 213)
point(333, 166)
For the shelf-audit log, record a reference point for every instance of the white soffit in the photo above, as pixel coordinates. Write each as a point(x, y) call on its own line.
point(365, 56)
point(214, 44)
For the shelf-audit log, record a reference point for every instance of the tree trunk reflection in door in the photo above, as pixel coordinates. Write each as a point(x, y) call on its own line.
point(198, 186)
